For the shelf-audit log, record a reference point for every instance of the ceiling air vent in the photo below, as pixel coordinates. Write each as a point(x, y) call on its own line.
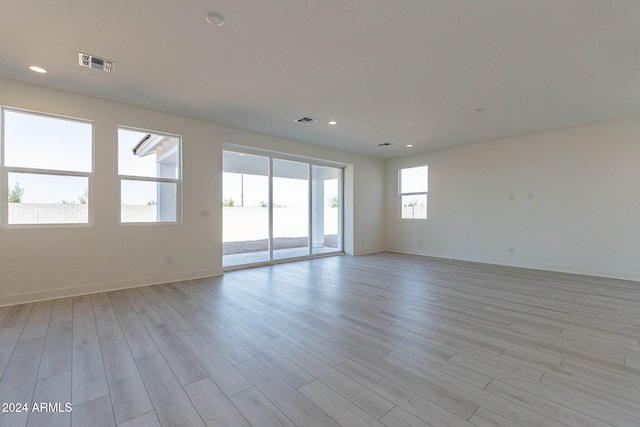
point(306, 120)
point(90, 61)
point(385, 144)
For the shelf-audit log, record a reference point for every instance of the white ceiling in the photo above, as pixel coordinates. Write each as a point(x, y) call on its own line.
point(402, 71)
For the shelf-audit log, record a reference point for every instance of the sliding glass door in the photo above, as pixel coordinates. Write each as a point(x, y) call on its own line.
point(290, 209)
point(326, 208)
point(275, 209)
point(245, 209)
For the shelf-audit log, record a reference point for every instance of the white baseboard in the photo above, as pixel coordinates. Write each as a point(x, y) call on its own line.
point(104, 287)
point(368, 251)
point(560, 268)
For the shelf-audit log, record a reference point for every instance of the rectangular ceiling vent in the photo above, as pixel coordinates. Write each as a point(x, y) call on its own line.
point(90, 61)
point(306, 120)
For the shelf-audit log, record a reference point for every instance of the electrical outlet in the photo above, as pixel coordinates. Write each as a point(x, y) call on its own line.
point(510, 197)
point(169, 260)
point(205, 214)
point(512, 250)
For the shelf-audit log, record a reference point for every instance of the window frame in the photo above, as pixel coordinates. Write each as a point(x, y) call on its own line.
point(413, 193)
point(6, 170)
point(157, 180)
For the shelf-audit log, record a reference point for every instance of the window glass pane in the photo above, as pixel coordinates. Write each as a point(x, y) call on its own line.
point(147, 154)
point(414, 206)
point(47, 199)
point(245, 212)
point(325, 205)
point(42, 142)
point(414, 180)
point(290, 209)
point(144, 201)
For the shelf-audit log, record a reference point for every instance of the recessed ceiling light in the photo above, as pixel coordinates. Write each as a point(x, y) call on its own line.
point(409, 145)
point(215, 19)
point(333, 122)
point(37, 69)
point(477, 110)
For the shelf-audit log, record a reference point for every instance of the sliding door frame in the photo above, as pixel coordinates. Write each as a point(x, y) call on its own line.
point(310, 162)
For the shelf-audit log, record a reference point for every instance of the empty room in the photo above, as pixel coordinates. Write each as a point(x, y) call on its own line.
point(320, 213)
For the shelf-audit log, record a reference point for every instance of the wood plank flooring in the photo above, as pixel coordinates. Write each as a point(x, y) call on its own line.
point(376, 340)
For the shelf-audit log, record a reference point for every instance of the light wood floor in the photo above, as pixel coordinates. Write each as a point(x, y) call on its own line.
point(354, 341)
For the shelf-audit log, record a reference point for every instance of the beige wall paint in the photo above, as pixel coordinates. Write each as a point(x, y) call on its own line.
point(583, 216)
point(46, 262)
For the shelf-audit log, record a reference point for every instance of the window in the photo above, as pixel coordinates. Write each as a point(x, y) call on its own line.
point(47, 168)
point(149, 171)
point(414, 185)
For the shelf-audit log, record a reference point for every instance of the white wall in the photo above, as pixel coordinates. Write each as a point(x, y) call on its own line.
point(46, 262)
point(584, 216)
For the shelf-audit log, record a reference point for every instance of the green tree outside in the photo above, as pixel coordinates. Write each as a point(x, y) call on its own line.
point(15, 195)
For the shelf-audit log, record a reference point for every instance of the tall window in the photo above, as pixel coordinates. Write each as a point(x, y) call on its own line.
point(414, 185)
point(47, 168)
point(150, 176)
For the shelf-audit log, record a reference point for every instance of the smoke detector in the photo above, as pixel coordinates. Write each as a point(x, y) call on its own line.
point(215, 19)
point(95, 62)
point(306, 120)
